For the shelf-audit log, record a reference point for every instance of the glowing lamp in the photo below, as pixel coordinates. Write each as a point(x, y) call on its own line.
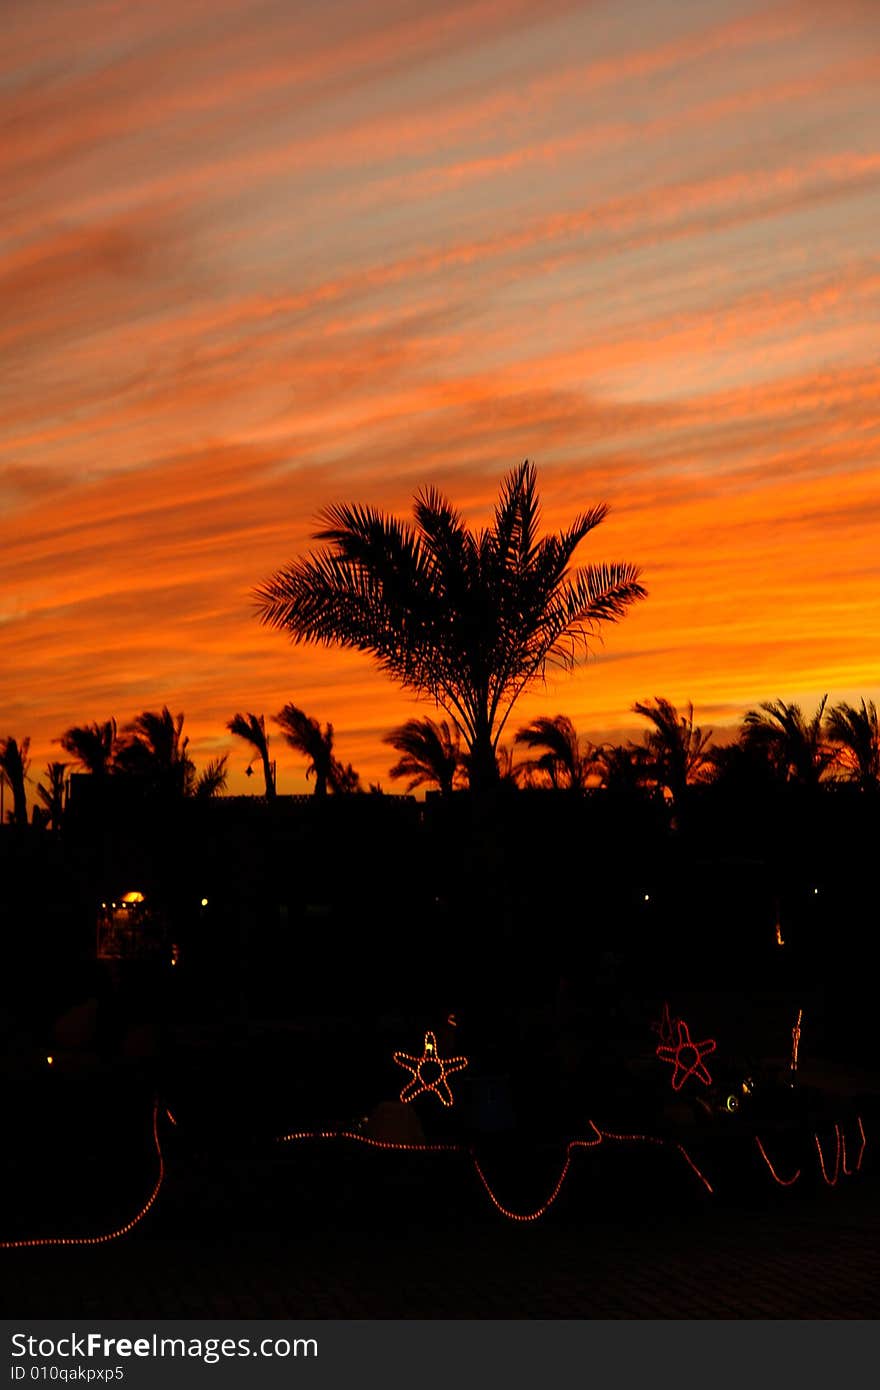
point(204, 902)
point(50, 1060)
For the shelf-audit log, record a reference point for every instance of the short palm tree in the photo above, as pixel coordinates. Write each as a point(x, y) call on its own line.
point(430, 753)
point(856, 732)
point(52, 795)
point(252, 728)
point(212, 781)
point(306, 736)
point(469, 618)
point(14, 763)
point(94, 746)
point(676, 748)
point(565, 760)
point(623, 768)
point(793, 745)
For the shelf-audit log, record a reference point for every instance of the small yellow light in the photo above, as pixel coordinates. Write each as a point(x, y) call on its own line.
point(204, 902)
point(647, 897)
point(49, 1060)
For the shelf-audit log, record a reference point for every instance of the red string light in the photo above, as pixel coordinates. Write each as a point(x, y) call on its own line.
point(783, 1182)
point(110, 1235)
point(849, 1171)
point(830, 1181)
point(511, 1215)
point(665, 1025)
point(687, 1158)
point(796, 1040)
point(451, 1148)
point(687, 1057)
point(425, 1078)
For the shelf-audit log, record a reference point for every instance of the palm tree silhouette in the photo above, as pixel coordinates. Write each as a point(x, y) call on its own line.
point(155, 750)
point(565, 761)
point(623, 768)
point(793, 745)
point(306, 736)
point(431, 753)
point(212, 781)
point(94, 746)
point(470, 618)
point(856, 731)
point(252, 728)
point(14, 763)
point(52, 795)
point(676, 748)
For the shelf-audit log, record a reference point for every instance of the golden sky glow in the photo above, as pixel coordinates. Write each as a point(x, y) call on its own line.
point(257, 257)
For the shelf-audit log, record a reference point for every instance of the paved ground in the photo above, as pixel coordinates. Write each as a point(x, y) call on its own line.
point(265, 1236)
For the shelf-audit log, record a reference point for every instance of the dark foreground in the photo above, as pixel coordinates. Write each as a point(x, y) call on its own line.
point(263, 1237)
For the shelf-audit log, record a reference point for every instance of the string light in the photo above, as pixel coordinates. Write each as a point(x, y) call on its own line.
point(429, 1072)
point(783, 1182)
point(839, 1161)
point(665, 1025)
point(830, 1181)
point(687, 1158)
point(849, 1171)
point(687, 1057)
point(598, 1137)
point(796, 1040)
point(110, 1235)
point(573, 1144)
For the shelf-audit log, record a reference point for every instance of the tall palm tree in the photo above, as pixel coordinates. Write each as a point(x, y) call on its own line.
point(14, 763)
point(676, 747)
point(94, 746)
point(565, 761)
point(306, 736)
point(470, 618)
point(252, 728)
point(155, 749)
point(793, 745)
point(856, 732)
point(431, 753)
point(52, 795)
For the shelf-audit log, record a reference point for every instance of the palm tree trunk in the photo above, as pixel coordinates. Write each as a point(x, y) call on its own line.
point(483, 764)
point(268, 776)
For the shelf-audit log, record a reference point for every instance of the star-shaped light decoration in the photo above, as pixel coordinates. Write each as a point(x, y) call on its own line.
point(429, 1072)
point(687, 1057)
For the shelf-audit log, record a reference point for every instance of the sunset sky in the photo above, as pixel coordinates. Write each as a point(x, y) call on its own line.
point(258, 257)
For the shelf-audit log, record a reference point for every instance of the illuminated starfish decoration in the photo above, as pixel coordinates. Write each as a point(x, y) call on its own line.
point(687, 1057)
point(429, 1072)
point(665, 1027)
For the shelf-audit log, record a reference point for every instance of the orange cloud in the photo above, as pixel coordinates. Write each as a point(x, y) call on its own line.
point(255, 267)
